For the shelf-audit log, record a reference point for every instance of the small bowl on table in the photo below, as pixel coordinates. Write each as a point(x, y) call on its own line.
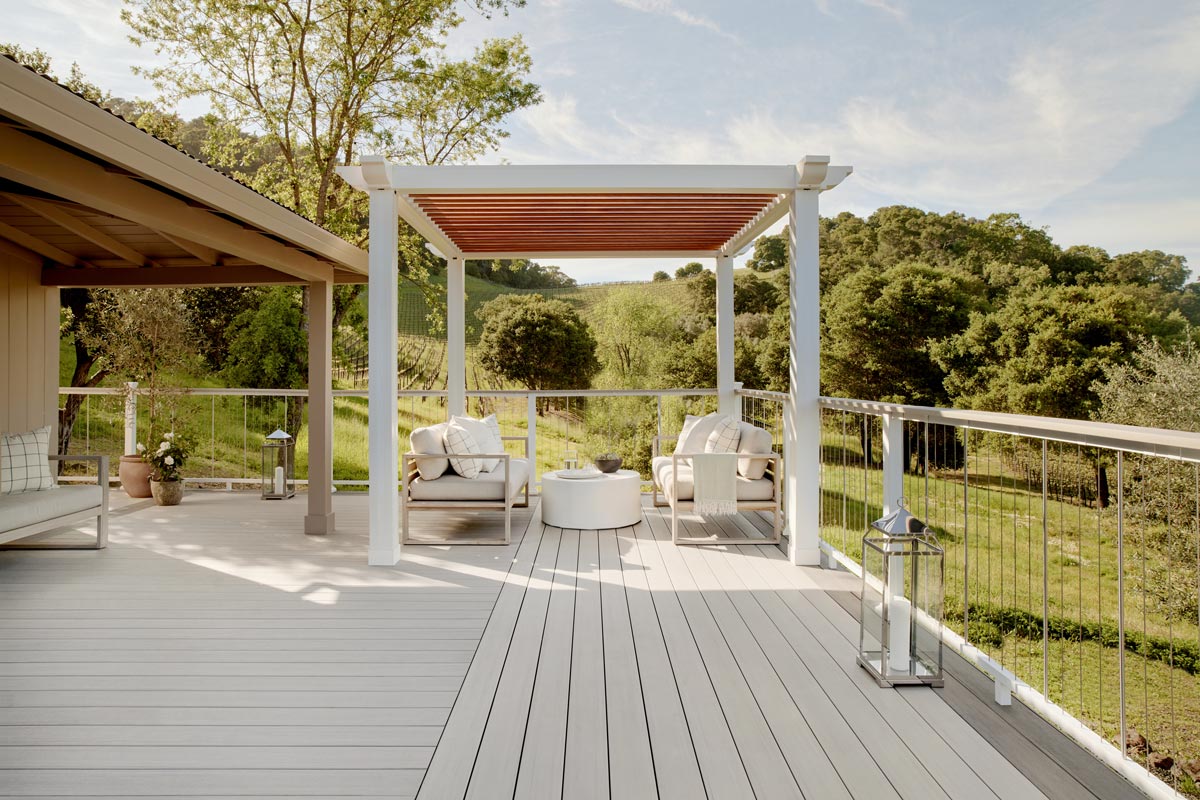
point(609, 462)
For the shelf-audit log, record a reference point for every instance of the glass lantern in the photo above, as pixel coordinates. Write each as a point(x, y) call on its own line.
point(278, 466)
point(900, 635)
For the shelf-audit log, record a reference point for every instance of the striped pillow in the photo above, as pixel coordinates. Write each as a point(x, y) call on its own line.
point(25, 462)
point(724, 437)
point(459, 441)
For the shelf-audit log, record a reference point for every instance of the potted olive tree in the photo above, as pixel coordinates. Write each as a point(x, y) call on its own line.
point(141, 335)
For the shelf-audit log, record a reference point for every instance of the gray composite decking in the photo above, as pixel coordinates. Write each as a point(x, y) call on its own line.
point(213, 651)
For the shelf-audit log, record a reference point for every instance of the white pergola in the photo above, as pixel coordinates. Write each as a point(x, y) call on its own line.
point(596, 211)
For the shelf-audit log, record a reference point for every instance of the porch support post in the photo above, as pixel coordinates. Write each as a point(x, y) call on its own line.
point(801, 411)
point(384, 418)
point(320, 408)
point(456, 336)
point(726, 396)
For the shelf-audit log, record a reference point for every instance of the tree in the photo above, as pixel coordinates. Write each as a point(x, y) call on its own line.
point(879, 329)
point(689, 269)
point(538, 343)
point(319, 82)
point(1043, 350)
point(661, 276)
point(211, 313)
point(520, 273)
point(141, 335)
point(632, 326)
point(267, 348)
point(770, 253)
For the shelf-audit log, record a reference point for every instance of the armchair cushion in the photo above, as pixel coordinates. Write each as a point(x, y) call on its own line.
point(459, 441)
point(485, 486)
point(753, 440)
point(684, 489)
point(428, 441)
point(486, 433)
point(25, 462)
point(27, 508)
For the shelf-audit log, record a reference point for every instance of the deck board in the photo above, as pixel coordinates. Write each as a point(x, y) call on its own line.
point(211, 651)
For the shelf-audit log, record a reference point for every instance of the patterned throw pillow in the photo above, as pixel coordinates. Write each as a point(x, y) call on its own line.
point(724, 437)
point(459, 441)
point(25, 462)
point(486, 433)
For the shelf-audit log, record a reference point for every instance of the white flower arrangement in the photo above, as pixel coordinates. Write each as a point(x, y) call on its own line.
point(170, 457)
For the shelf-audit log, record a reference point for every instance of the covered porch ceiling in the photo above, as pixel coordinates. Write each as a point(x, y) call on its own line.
point(103, 203)
point(593, 211)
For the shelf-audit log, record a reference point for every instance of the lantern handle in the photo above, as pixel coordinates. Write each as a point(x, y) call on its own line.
point(902, 502)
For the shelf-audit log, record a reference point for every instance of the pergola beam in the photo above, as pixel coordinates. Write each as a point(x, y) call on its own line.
point(207, 255)
point(591, 178)
point(166, 277)
point(36, 245)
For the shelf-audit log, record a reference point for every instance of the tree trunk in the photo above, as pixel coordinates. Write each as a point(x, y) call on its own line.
point(1102, 490)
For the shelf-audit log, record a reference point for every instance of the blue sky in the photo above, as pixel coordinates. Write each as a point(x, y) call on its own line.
point(1082, 116)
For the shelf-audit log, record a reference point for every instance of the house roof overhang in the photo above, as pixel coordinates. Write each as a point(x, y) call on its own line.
point(593, 211)
point(103, 203)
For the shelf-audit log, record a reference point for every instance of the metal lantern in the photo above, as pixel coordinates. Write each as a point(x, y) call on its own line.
point(900, 636)
point(278, 466)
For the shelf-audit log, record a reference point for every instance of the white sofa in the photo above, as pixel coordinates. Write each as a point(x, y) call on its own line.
point(27, 513)
point(673, 481)
point(498, 489)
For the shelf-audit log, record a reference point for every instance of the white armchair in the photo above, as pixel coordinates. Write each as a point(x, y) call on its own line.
point(24, 514)
point(758, 491)
point(498, 489)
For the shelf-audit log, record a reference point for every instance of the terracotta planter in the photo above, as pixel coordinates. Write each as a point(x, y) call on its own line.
point(135, 476)
point(167, 493)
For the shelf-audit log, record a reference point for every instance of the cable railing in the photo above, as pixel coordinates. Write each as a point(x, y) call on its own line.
point(1072, 562)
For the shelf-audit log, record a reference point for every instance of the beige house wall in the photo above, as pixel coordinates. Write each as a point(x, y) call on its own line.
point(28, 345)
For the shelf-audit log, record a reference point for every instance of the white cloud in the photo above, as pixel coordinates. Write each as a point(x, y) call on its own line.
point(887, 6)
point(669, 9)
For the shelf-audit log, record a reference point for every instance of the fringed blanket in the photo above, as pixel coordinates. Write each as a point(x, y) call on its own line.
point(715, 477)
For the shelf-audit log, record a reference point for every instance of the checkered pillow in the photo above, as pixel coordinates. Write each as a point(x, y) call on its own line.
point(459, 441)
point(724, 437)
point(25, 462)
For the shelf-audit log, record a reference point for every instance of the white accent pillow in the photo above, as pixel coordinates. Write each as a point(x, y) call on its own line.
point(459, 441)
point(25, 462)
point(695, 432)
point(724, 437)
point(753, 440)
point(486, 432)
point(429, 441)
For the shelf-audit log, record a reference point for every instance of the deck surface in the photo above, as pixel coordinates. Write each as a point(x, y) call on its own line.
point(212, 651)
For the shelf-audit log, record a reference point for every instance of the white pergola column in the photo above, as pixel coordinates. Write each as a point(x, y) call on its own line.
point(726, 392)
point(456, 336)
point(801, 411)
point(319, 519)
point(383, 425)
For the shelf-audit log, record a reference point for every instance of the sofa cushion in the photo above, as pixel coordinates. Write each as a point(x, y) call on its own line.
point(459, 441)
point(25, 462)
point(761, 489)
point(724, 437)
point(486, 486)
point(26, 508)
point(429, 441)
point(753, 440)
point(695, 432)
point(486, 433)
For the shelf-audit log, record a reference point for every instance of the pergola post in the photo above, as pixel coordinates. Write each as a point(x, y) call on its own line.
point(801, 411)
point(384, 419)
point(456, 336)
point(726, 392)
point(320, 408)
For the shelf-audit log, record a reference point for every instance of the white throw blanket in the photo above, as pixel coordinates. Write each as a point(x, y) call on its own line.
point(714, 477)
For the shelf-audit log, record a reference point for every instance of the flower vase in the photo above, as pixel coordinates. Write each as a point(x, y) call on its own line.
point(167, 493)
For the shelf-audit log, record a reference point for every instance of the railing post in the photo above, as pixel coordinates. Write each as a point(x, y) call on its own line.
point(531, 437)
point(893, 461)
point(131, 417)
point(736, 409)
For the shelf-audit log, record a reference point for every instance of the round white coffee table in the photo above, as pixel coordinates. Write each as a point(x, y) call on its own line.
point(612, 500)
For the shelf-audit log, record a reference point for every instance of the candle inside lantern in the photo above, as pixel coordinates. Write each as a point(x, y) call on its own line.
point(899, 625)
point(279, 487)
